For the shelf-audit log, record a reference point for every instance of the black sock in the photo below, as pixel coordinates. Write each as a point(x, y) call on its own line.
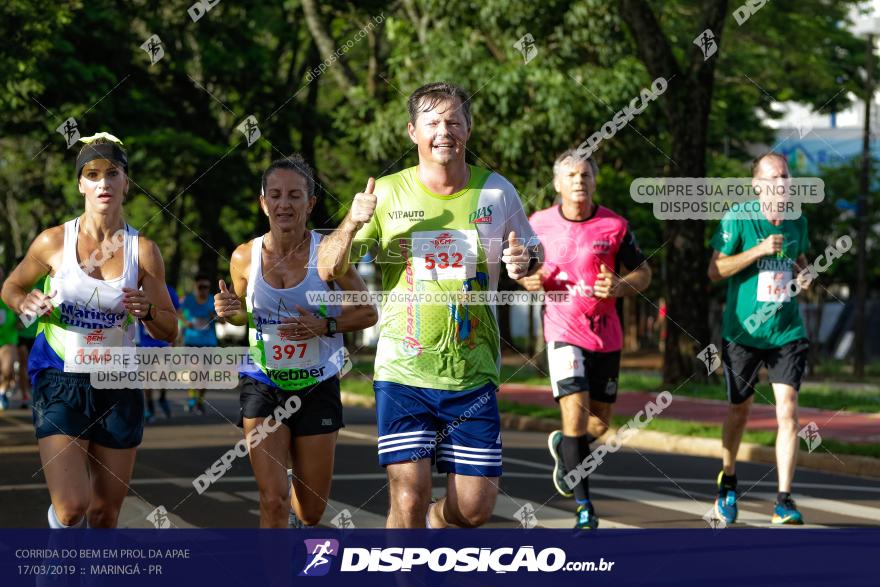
point(574, 450)
point(728, 481)
point(783, 496)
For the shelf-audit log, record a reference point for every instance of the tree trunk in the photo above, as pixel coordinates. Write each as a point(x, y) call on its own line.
point(686, 104)
point(687, 285)
point(172, 267)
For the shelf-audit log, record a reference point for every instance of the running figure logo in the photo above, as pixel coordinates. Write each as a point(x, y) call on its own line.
point(249, 129)
point(159, 518)
point(153, 47)
point(526, 516)
point(69, 131)
point(710, 358)
point(526, 46)
point(318, 561)
point(810, 434)
point(343, 520)
point(715, 522)
point(706, 42)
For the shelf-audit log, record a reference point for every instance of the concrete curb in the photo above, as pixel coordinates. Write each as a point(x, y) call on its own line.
point(858, 466)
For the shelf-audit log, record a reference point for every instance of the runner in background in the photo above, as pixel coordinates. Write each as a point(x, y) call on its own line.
point(198, 329)
point(759, 253)
point(661, 325)
point(26, 337)
point(591, 253)
point(8, 352)
point(145, 340)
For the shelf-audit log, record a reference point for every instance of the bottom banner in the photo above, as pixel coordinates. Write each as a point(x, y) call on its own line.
point(214, 558)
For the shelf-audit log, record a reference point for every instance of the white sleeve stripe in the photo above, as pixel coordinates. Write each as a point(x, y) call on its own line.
point(468, 448)
point(414, 433)
point(406, 446)
point(405, 440)
point(469, 462)
point(468, 455)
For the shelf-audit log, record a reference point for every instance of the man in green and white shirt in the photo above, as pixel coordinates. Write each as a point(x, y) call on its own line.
point(760, 253)
point(442, 227)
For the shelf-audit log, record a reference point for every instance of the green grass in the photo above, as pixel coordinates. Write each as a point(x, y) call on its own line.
point(825, 397)
point(358, 385)
point(843, 371)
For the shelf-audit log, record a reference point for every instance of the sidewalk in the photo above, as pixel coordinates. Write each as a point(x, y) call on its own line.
point(841, 426)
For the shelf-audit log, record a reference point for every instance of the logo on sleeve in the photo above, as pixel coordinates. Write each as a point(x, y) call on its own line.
point(601, 246)
point(482, 215)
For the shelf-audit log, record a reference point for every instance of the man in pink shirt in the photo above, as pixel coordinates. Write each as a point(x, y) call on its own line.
point(585, 246)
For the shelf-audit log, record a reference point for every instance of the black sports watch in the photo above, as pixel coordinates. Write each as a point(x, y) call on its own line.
point(331, 326)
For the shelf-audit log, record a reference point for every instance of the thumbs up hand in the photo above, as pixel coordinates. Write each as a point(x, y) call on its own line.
point(516, 257)
point(606, 283)
point(226, 303)
point(364, 204)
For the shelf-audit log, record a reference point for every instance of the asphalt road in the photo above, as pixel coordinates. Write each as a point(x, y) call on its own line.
point(632, 489)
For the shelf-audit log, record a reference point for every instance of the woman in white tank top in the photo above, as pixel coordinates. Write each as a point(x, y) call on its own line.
point(296, 345)
point(102, 276)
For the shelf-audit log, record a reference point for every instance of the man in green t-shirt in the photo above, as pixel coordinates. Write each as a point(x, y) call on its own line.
point(762, 256)
point(443, 228)
point(8, 350)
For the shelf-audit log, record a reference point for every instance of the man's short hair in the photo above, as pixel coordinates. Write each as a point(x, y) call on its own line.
point(572, 155)
point(760, 158)
point(295, 163)
point(429, 95)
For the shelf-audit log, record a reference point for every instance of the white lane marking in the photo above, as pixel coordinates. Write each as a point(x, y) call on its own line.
point(186, 482)
point(15, 423)
point(532, 464)
point(135, 510)
point(547, 517)
point(701, 481)
point(832, 506)
point(686, 505)
point(360, 518)
point(359, 435)
point(221, 496)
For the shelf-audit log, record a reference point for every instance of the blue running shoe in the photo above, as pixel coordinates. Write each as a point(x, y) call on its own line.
point(554, 443)
point(725, 503)
point(166, 407)
point(293, 520)
point(787, 513)
point(4, 402)
point(586, 517)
